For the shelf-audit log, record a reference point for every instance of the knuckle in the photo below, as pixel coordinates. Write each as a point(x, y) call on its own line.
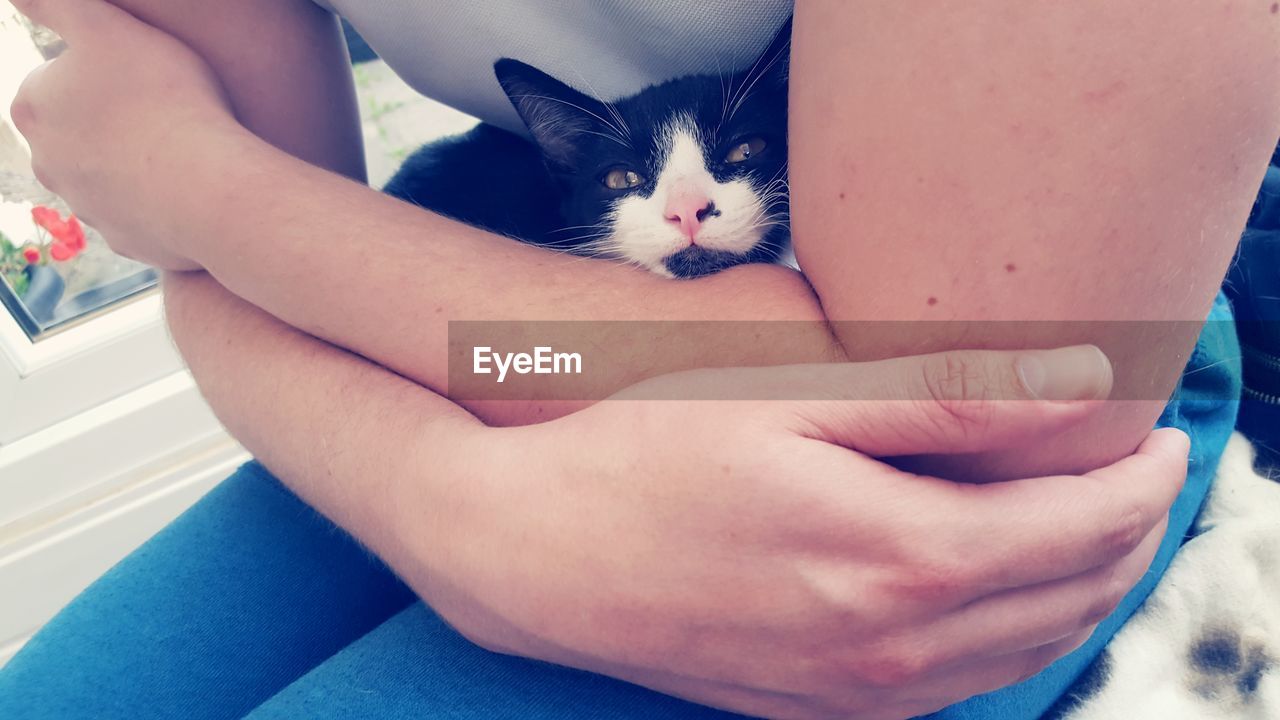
point(1105, 601)
point(936, 580)
point(1127, 531)
point(1097, 611)
point(962, 387)
point(22, 111)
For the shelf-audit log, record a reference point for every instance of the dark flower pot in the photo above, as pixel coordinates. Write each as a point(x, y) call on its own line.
point(44, 291)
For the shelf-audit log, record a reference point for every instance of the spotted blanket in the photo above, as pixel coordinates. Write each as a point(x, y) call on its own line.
point(1206, 644)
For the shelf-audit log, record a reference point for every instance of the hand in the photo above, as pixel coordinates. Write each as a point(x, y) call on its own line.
point(752, 555)
point(112, 120)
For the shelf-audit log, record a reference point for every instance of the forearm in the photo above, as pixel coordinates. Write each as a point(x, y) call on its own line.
point(383, 278)
point(380, 278)
point(347, 436)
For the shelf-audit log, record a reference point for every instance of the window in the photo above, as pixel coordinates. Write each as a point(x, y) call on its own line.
point(54, 271)
point(104, 437)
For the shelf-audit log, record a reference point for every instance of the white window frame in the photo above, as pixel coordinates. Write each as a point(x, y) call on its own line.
point(55, 377)
point(104, 438)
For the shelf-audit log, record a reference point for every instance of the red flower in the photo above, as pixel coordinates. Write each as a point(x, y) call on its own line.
point(46, 217)
point(68, 234)
point(75, 234)
point(32, 254)
point(60, 251)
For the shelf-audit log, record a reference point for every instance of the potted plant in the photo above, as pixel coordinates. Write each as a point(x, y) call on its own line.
point(27, 266)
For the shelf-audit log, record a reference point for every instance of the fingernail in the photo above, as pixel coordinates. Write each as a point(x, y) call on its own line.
point(1079, 372)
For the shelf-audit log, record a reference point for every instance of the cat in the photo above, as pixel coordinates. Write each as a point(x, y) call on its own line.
point(685, 178)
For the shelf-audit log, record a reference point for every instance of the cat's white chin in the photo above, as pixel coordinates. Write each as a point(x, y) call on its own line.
point(661, 271)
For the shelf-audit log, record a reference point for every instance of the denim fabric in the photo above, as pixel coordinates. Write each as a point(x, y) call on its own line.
point(1253, 285)
point(252, 604)
point(241, 595)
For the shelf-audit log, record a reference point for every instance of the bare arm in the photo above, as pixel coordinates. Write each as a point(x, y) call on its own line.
point(289, 84)
point(417, 271)
point(869, 257)
point(991, 160)
point(284, 66)
point(1063, 189)
point(303, 407)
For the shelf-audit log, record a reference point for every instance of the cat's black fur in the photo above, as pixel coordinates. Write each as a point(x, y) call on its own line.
point(486, 177)
point(548, 191)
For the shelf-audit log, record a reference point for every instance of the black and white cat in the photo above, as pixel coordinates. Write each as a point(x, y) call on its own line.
point(684, 178)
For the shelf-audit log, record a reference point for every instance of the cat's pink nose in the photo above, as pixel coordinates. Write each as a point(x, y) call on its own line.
point(688, 210)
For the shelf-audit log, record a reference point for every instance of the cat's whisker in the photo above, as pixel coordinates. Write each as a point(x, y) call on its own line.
point(763, 71)
point(777, 178)
point(724, 99)
point(619, 137)
point(578, 245)
point(621, 126)
point(581, 241)
point(617, 116)
point(607, 136)
point(589, 226)
point(726, 116)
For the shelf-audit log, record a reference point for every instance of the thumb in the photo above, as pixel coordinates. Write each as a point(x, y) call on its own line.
point(73, 20)
point(962, 401)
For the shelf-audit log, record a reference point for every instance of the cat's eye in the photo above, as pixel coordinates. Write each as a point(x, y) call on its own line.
point(622, 179)
point(744, 150)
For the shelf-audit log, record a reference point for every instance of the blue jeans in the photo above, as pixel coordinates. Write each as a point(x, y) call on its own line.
point(252, 605)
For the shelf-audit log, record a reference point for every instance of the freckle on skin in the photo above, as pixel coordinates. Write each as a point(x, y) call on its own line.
point(1010, 267)
point(1275, 8)
point(841, 194)
point(931, 301)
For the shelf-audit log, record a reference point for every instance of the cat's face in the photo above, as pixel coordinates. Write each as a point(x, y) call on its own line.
point(685, 178)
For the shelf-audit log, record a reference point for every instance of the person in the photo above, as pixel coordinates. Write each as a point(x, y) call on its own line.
point(1043, 164)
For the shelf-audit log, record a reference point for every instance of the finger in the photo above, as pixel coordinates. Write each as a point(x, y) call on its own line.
point(1025, 532)
point(24, 107)
point(952, 402)
point(736, 697)
point(73, 20)
point(976, 675)
point(1025, 618)
point(980, 675)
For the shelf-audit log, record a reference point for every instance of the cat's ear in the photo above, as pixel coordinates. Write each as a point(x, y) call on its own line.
point(775, 61)
point(556, 114)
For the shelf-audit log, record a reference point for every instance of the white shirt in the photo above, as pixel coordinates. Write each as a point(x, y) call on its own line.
point(445, 49)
